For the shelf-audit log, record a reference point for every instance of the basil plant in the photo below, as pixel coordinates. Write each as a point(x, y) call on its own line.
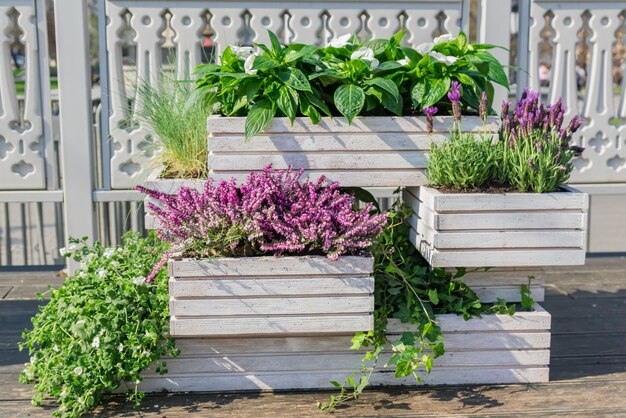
point(348, 77)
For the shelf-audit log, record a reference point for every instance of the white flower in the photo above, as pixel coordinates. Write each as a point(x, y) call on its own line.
point(424, 48)
point(101, 273)
point(242, 52)
point(404, 61)
point(96, 342)
point(443, 38)
point(145, 353)
point(115, 263)
point(73, 247)
point(341, 41)
point(139, 280)
point(448, 60)
point(62, 252)
point(366, 54)
point(80, 322)
point(108, 252)
point(55, 348)
point(78, 371)
point(247, 66)
point(63, 393)
point(32, 360)
point(120, 347)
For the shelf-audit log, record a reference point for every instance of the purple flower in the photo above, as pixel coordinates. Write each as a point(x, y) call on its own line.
point(539, 146)
point(532, 165)
point(429, 112)
point(271, 213)
point(505, 109)
point(576, 150)
point(454, 95)
point(574, 124)
point(484, 106)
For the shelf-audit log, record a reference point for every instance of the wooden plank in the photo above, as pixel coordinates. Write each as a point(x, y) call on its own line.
point(271, 306)
point(259, 325)
point(506, 257)
point(210, 364)
point(493, 202)
point(321, 380)
point(170, 186)
point(504, 220)
point(511, 294)
point(408, 160)
point(218, 125)
point(271, 266)
point(347, 178)
point(499, 238)
point(264, 286)
point(200, 346)
point(287, 142)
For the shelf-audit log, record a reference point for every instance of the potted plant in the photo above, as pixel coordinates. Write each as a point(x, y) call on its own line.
point(298, 105)
point(226, 278)
point(504, 205)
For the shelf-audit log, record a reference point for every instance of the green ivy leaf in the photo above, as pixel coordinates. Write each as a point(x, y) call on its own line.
point(259, 117)
point(349, 100)
point(433, 296)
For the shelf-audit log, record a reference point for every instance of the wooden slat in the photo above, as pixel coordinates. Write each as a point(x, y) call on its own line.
point(504, 220)
point(408, 160)
point(208, 363)
point(497, 258)
point(321, 380)
point(493, 202)
point(275, 325)
point(257, 286)
point(218, 125)
point(511, 294)
point(271, 306)
point(347, 178)
point(288, 142)
point(272, 266)
point(505, 340)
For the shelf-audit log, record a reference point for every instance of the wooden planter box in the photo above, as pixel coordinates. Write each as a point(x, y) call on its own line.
point(370, 152)
point(494, 349)
point(270, 295)
point(511, 229)
point(169, 186)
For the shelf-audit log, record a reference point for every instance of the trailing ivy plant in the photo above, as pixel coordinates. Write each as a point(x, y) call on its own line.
point(407, 291)
point(349, 77)
point(102, 328)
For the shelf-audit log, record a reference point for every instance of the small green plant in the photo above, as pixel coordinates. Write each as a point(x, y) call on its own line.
point(102, 328)
point(465, 162)
point(349, 77)
point(407, 291)
point(528, 303)
point(179, 125)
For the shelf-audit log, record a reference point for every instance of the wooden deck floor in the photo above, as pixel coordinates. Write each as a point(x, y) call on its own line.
point(588, 365)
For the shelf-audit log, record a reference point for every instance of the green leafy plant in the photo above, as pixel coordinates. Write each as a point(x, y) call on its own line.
point(406, 291)
point(102, 328)
point(465, 162)
point(179, 126)
point(348, 77)
point(527, 301)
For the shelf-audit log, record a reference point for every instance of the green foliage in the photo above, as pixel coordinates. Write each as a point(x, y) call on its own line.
point(465, 162)
point(349, 78)
point(101, 328)
point(406, 290)
point(178, 123)
point(528, 303)
point(536, 164)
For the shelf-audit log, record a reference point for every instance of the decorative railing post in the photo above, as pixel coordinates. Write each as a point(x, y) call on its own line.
point(74, 79)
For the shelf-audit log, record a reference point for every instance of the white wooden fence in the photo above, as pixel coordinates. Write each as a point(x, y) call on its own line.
point(77, 174)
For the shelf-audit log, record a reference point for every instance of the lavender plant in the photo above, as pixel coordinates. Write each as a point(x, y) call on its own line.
point(271, 213)
point(536, 148)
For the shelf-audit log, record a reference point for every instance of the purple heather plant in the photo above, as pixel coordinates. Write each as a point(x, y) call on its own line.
point(483, 109)
point(271, 213)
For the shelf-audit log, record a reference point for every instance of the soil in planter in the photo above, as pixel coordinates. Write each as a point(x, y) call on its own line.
point(490, 188)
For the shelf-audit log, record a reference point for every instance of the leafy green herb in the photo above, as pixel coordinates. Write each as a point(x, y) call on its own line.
point(102, 328)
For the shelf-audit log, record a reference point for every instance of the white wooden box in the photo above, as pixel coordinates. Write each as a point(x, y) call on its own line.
point(169, 186)
point(370, 152)
point(499, 229)
point(271, 295)
point(494, 349)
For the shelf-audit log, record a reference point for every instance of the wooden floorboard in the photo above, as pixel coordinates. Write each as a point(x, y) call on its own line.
point(588, 364)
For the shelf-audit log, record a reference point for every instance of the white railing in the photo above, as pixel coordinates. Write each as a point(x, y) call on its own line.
point(83, 178)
